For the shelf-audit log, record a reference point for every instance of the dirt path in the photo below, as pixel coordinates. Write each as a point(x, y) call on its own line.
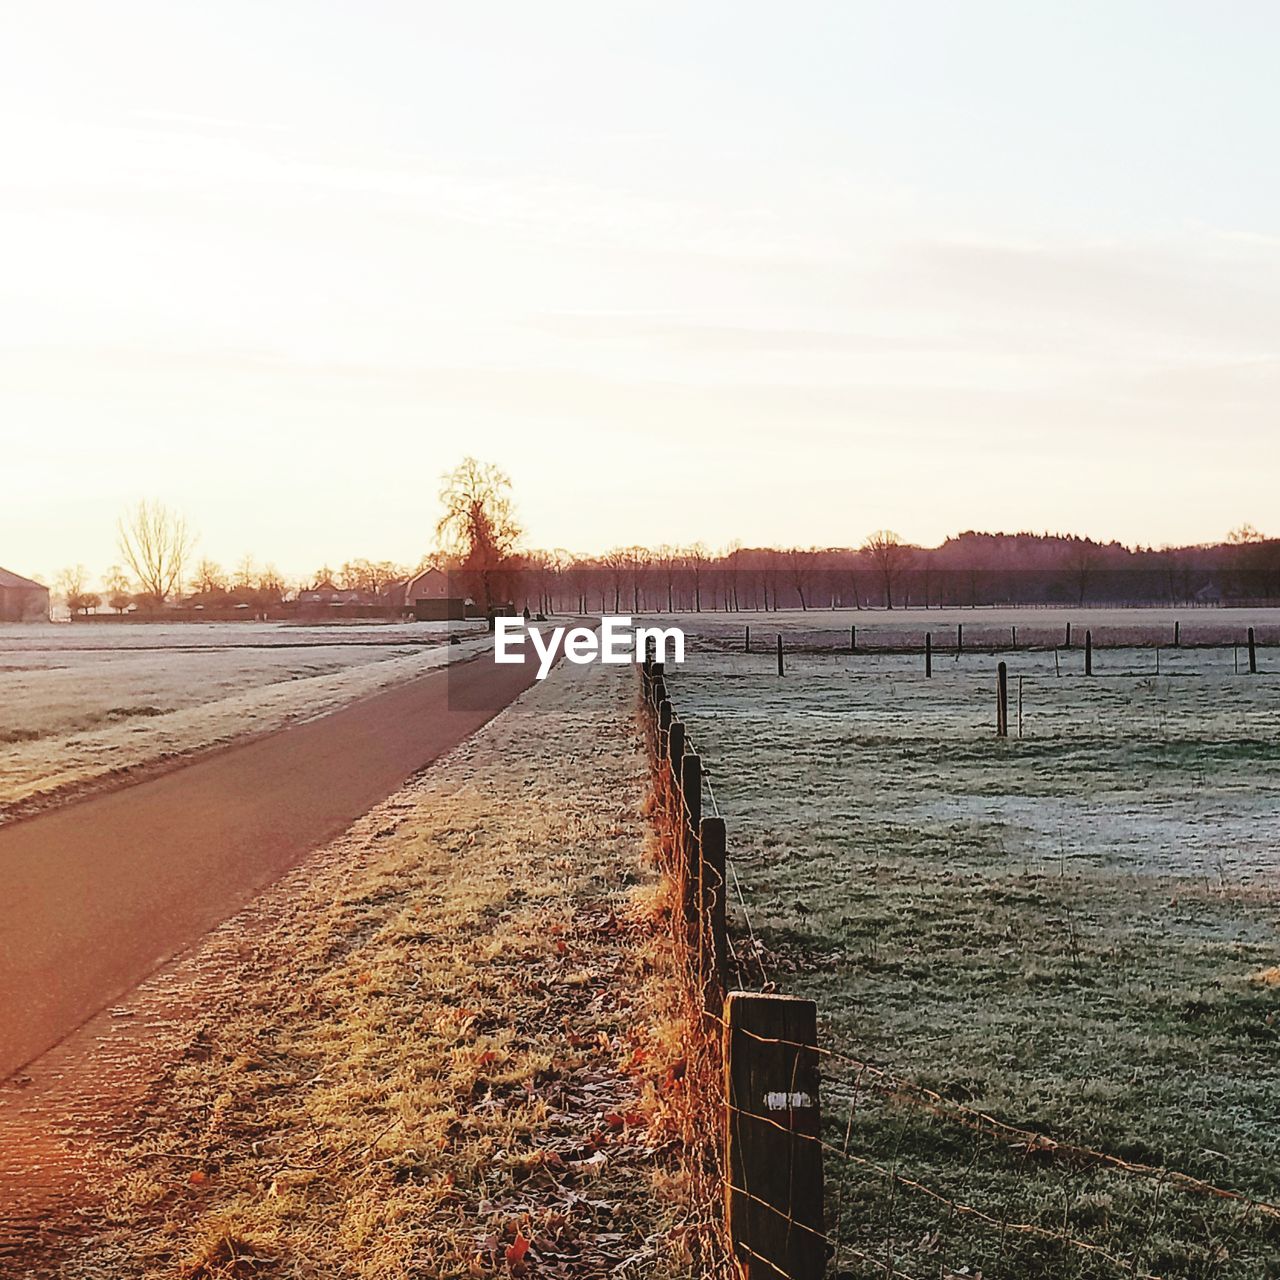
point(99, 894)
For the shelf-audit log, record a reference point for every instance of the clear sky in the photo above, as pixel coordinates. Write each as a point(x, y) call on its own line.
point(771, 272)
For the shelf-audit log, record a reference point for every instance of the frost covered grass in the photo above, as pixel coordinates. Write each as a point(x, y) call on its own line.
point(1075, 932)
point(83, 704)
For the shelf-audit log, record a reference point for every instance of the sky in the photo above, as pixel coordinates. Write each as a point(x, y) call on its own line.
point(767, 273)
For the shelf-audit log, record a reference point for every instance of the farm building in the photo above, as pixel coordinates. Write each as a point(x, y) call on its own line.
point(22, 600)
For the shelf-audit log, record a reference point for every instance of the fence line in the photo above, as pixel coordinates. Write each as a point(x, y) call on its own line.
point(756, 1062)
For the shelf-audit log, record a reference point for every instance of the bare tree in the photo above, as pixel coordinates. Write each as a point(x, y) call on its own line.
point(155, 543)
point(207, 579)
point(72, 585)
point(891, 556)
point(1083, 555)
point(478, 526)
point(800, 568)
point(697, 558)
point(117, 586)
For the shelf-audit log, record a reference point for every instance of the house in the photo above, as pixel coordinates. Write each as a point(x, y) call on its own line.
point(22, 600)
point(431, 596)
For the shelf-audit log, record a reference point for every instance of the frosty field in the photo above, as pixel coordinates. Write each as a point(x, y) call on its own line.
point(1074, 931)
point(80, 703)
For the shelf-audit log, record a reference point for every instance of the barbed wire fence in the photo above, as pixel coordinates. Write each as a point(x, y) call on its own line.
point(778, 1118)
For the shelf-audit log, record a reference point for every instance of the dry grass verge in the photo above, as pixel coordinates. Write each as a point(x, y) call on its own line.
point(451, 1057)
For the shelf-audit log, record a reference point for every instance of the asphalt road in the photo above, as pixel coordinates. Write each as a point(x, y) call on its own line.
point(98, 894)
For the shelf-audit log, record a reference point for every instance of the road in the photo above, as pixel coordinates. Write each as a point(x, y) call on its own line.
point(98, 894)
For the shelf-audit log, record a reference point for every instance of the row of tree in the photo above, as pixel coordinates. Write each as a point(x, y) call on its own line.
point(477, 539)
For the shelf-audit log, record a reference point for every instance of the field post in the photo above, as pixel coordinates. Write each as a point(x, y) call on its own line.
point(1253, 654)
point(1002, 700)
point(657, 683)
point(1014, 631)
point(1157, 659)
point(691, 820)
point(646, 680)
point(1177, 634)
point(1068, 644)
point(853, 639)
point(780, 653)
point(747, 644)
point(1019, 707)
point(773, 1160)
point(1088, 653)
point(713, 948)
point(928, 655)
point(959, 637)
point(664, 728)
point(1057, 666)
point(1235, 657)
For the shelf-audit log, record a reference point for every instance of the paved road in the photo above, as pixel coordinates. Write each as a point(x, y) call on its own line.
point(98, 894)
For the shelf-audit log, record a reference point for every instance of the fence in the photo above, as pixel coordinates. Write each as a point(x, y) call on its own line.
point(757, 1064)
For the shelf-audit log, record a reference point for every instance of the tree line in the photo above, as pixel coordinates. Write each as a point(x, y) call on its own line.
point(477, 539)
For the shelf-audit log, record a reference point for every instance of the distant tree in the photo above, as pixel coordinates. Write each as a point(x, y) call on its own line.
point(1083, 556)
point(370, 576)
point(245, 575)
point(478, 526)
point(155, 543)
point(891, 556)
point(207, 579)
point(800, 568)
point(72, 586)
point(118, 588)
point(696, 560)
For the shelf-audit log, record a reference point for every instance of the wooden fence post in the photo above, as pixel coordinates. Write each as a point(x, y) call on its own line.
point(853, 639)
point(1014, 631)
point(713, 941)
point(928, 655)
point(780, 653)
point(959, 637)
point(675, 750)
point(747, 648)
point(657, 685)
point(1088, 653)
point(1253, 654)
point(1068, 643)
point(1002, 700)
point(773, 1160)
point(664, 728)
point(691, 826)
point(1177, 634)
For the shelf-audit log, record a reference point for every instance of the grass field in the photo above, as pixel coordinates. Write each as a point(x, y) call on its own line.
point(1075, 932)
point(81, 704)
